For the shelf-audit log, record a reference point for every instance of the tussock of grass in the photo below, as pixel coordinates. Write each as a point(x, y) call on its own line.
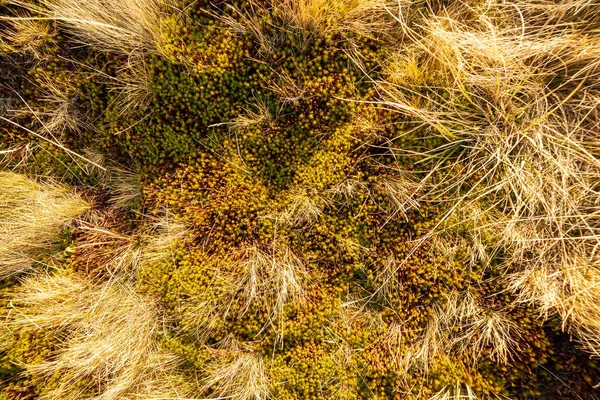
point(276, 277)
point(124, 187)
point(305, 19)
point(458, 391)
point(572, 292)
point(304, 208)
point(59, 110)
point(462, 325)
point(108, 348)
point(236, 374)
point(162, 237)
point(131, 28)
point(132, 85)
point(112, 252)
point(321, 16)
point(32, 216)
point(122, 27)
point(266, 279)
point(509, 95)
point(103, 249)
point(400, 193)
point(258, 114)
point(24, 35)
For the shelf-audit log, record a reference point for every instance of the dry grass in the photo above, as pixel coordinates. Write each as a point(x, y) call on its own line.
point(256, 115)
point(130, 28)
point(124, 186)
point(106, 247)
point(273, 278)
point(32, 216)
point(464, 328)
point(108, 348)
point(572, 292)
point(24, 35)
point(236, 374)
point(17, 155)
point(101, 246)
point(122, 27)
point(265, 279)
point(304, 208)
point(400, 194)
point(510, 93)
point(338, 16)
point(162, 237)
point(306, 18)
point(132, 85)
point(286, 88)
point(59, 109)
point(458, 391)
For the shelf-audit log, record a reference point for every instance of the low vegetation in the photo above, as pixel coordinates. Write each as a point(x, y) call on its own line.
point(33, 216)
point(299, 199)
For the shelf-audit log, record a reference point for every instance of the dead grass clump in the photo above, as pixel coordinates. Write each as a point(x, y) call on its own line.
point(58, 110)
point(304, 208)
point(338, 16)
point(108, 246)
point(124, 187)
point(465, 328)
point(130, 28)
point(571, 291)
point(101, 249)
point(264, 279)
point(507, 96)
point(131, 85)
point(32, 216)
point(24, 35)
point(108, 347)
point(162, 237)
point(400, 194)
point(458, 391)
point(273, 278)
point(121, 27)
point(305, 19)
point(257, 114)
point(236, 374)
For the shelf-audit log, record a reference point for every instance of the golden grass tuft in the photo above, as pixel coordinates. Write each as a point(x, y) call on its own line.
point(337, 16)
point(305, 19)
point(458, 391)
point(130, 28)
point(24, 35)
point(463, 327)
point(508, 92)
point(274, 278)
point(571, 292)
point(304, 208)
point(59, 111)
point(32, 216)
point(124, 186)
point(400, 194)
point(265, 278)
point(121, 27)
point(236, 374)
point(108, 348)
point(162, 237)
point(132, 85)
point(107, 247)
point(104, 250)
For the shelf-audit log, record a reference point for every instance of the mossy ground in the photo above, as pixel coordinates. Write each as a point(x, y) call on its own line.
point(275, 184)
